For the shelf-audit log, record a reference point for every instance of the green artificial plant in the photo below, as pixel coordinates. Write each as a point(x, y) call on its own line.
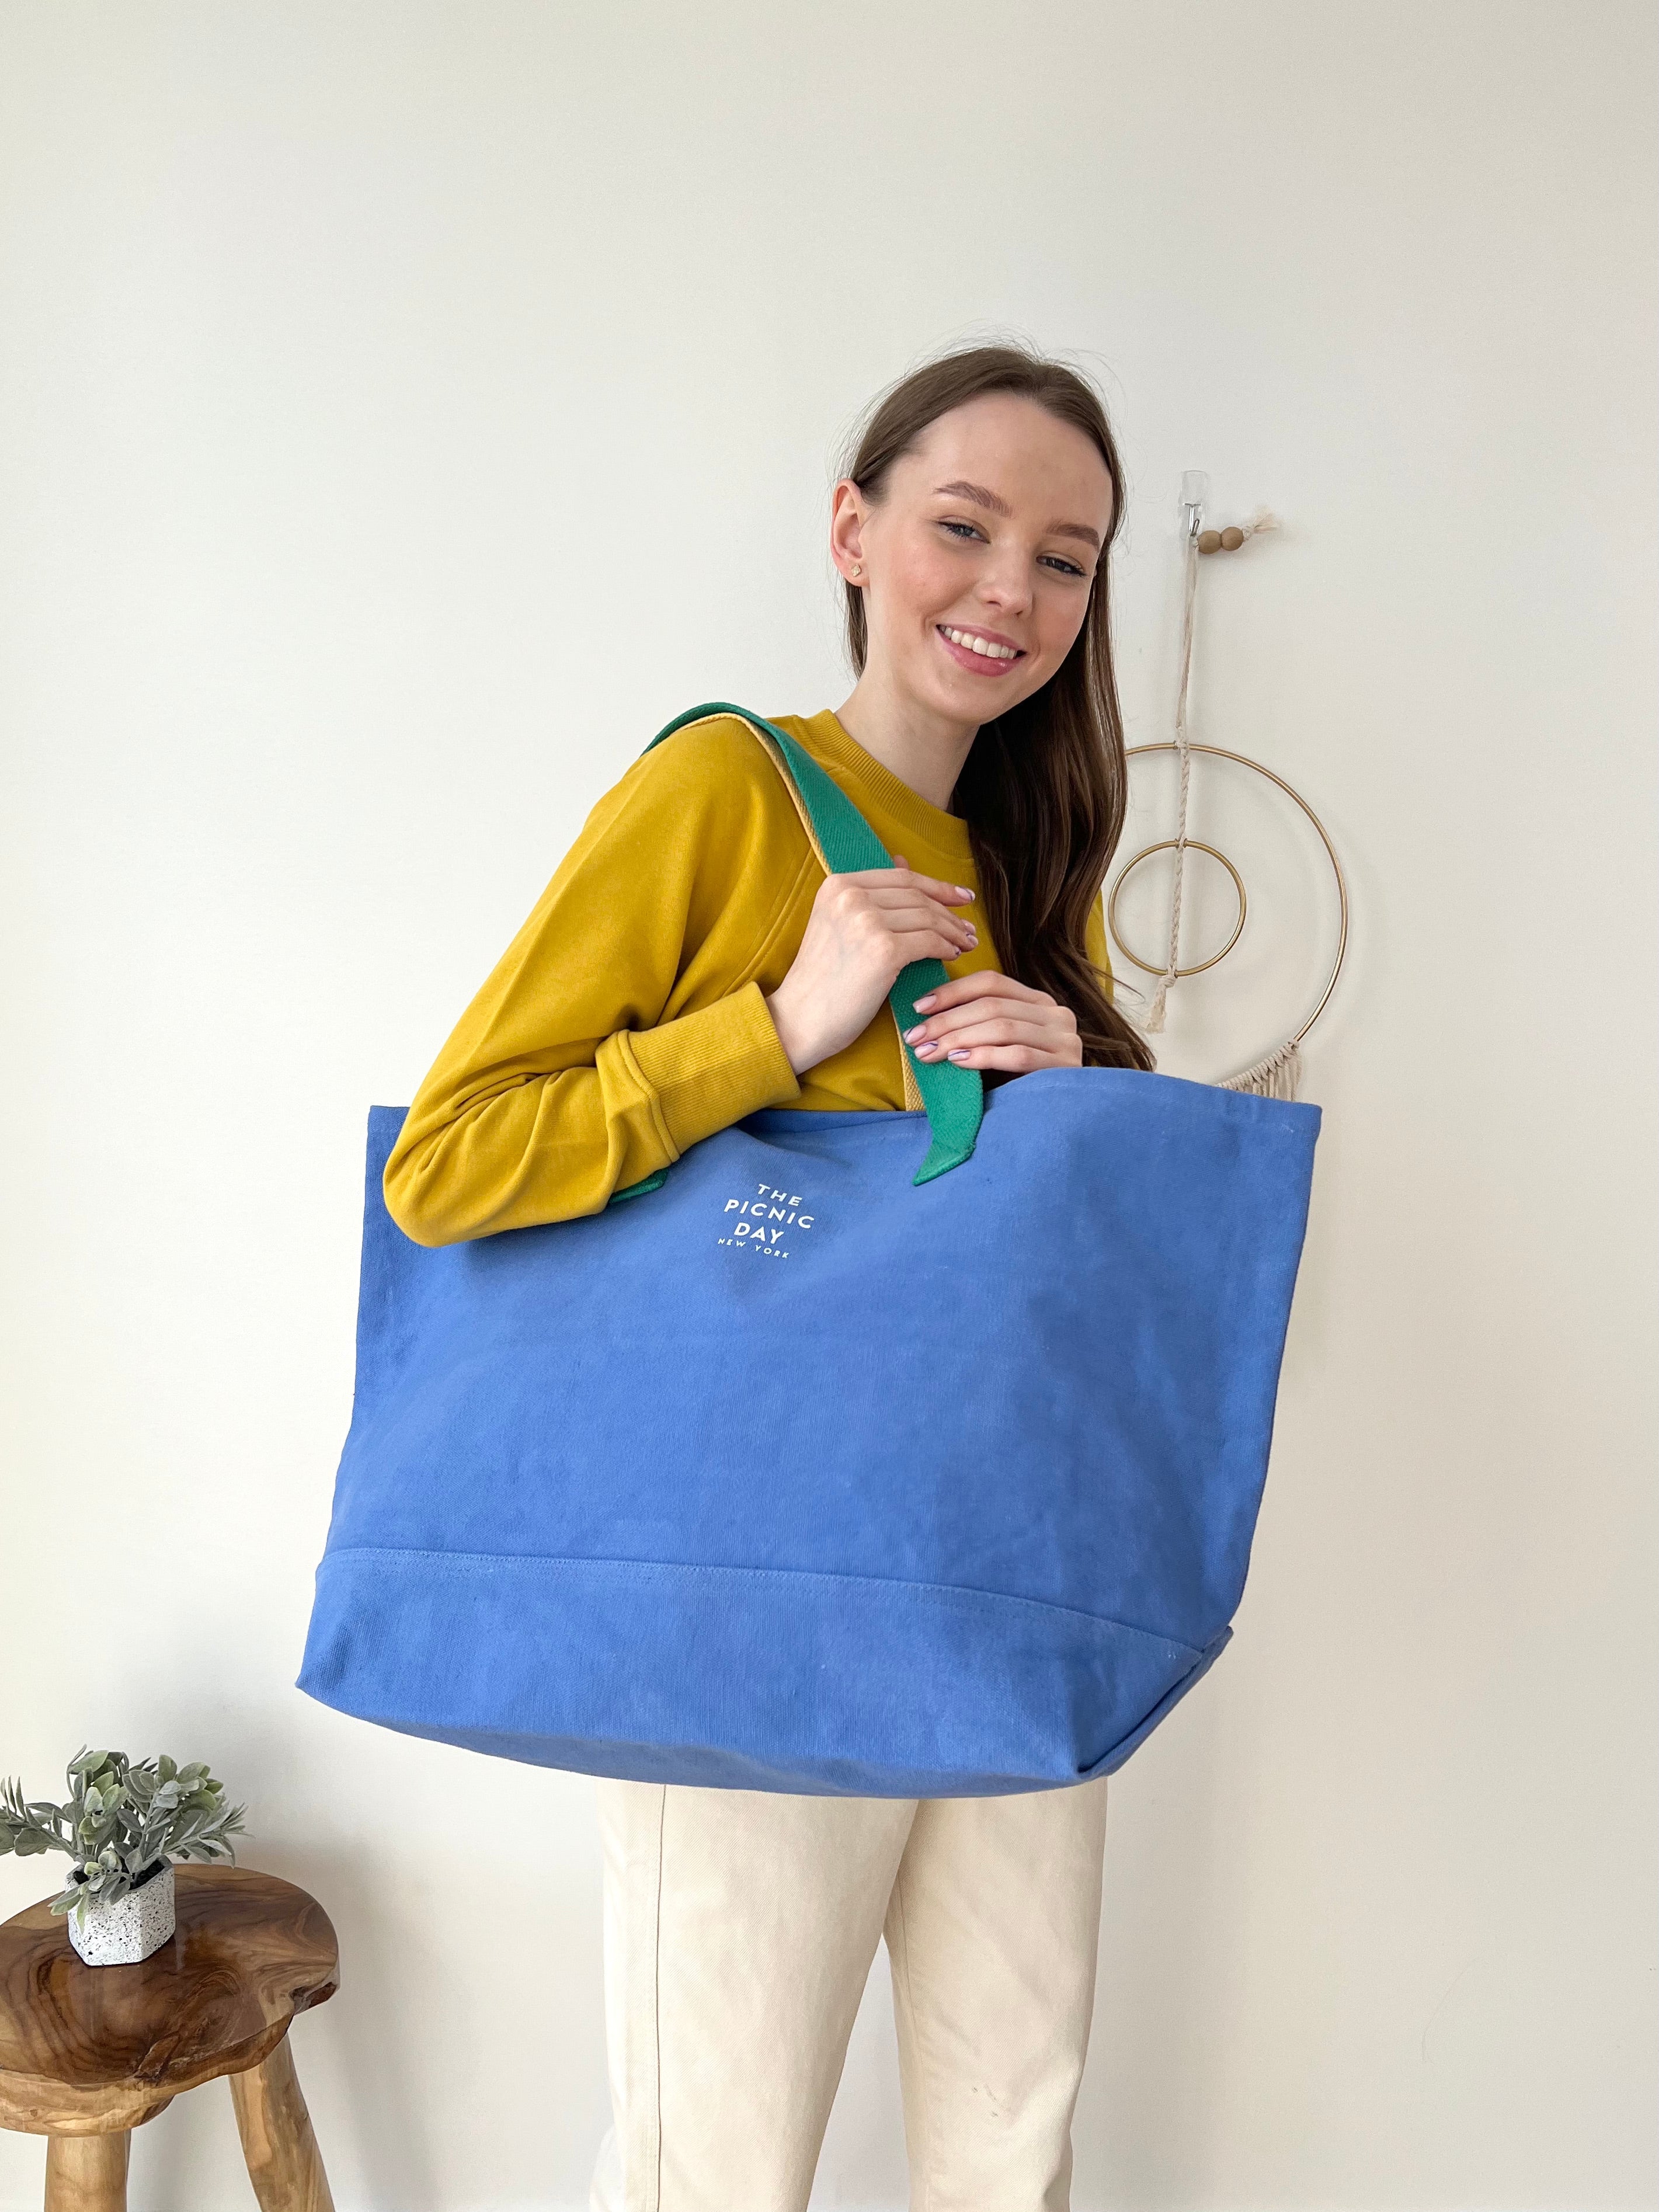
point(124, 1818)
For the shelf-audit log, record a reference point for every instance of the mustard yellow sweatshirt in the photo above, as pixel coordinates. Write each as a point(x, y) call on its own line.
point(626, 1021)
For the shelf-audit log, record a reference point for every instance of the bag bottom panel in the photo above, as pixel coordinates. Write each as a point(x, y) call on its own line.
point(739, 1677)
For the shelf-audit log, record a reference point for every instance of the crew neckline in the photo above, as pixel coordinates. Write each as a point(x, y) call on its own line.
point(945, 833)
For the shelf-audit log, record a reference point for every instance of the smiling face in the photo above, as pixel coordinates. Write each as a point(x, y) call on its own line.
point(975, 557)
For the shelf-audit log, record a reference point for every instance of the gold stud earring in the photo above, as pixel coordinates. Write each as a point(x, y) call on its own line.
point(858, 568)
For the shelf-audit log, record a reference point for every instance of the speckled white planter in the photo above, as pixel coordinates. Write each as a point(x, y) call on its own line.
point(122, 1933)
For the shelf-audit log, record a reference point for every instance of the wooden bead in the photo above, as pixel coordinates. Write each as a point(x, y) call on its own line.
point(1209, 541)
point(1231, 540)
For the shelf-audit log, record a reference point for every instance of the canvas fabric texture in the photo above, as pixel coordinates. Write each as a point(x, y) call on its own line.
point(797, 1475)
point(739, 1932)
point(901, 1454)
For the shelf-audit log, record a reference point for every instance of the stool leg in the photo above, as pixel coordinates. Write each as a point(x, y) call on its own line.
point(87, 2173)
point(284, 2162)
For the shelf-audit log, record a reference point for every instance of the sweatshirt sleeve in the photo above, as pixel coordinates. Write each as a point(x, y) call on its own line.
point(624, 1022)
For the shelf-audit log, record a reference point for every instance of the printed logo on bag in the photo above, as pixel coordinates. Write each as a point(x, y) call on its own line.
point(766, 1222)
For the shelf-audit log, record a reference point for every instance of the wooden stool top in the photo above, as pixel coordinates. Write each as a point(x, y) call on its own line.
point(87, 2049)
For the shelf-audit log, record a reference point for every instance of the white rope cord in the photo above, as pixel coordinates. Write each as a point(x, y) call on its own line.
point(1157, 1006)
point(1152, 1020)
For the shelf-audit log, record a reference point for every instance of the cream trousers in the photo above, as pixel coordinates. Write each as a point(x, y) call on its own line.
point(739, 1929)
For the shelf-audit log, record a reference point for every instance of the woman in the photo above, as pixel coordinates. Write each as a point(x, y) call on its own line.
point(690, 965)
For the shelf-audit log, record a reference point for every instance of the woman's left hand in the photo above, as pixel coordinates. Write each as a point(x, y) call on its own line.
point(989, 1020)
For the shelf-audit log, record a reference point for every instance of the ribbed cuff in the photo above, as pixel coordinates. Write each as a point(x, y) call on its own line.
point(707, 1070)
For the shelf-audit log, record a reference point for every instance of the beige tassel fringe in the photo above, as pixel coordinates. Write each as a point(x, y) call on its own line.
point(1277, 1076)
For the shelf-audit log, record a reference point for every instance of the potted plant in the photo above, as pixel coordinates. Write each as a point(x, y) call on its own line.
point(125, 1822)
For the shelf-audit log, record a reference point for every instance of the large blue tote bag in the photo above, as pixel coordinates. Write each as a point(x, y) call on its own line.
point(909, 1454)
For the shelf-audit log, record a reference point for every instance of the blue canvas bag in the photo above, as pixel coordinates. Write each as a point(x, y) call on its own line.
point(907, 1454)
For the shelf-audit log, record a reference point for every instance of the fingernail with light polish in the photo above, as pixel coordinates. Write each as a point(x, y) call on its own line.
point(910, 1036)
point(922, 1004)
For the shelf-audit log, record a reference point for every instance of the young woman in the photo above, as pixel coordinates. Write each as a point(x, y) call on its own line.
point(689, 964)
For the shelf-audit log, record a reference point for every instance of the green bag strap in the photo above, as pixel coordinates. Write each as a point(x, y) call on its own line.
point(952, 1097)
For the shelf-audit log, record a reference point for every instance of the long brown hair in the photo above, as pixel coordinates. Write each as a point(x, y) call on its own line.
point(1044, 786)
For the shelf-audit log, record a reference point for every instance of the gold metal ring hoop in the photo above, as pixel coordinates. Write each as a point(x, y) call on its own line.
point(1167, 845)
point(1220, 752)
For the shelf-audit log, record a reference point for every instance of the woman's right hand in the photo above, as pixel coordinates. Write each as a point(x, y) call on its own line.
point(863, 929)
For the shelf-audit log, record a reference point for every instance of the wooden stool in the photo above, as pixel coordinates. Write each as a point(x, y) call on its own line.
point(88, 2053)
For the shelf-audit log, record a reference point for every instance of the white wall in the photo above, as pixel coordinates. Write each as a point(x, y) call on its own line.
point(406, 408)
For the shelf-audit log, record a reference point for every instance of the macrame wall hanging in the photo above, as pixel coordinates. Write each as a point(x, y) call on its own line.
point(1277, 1073)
